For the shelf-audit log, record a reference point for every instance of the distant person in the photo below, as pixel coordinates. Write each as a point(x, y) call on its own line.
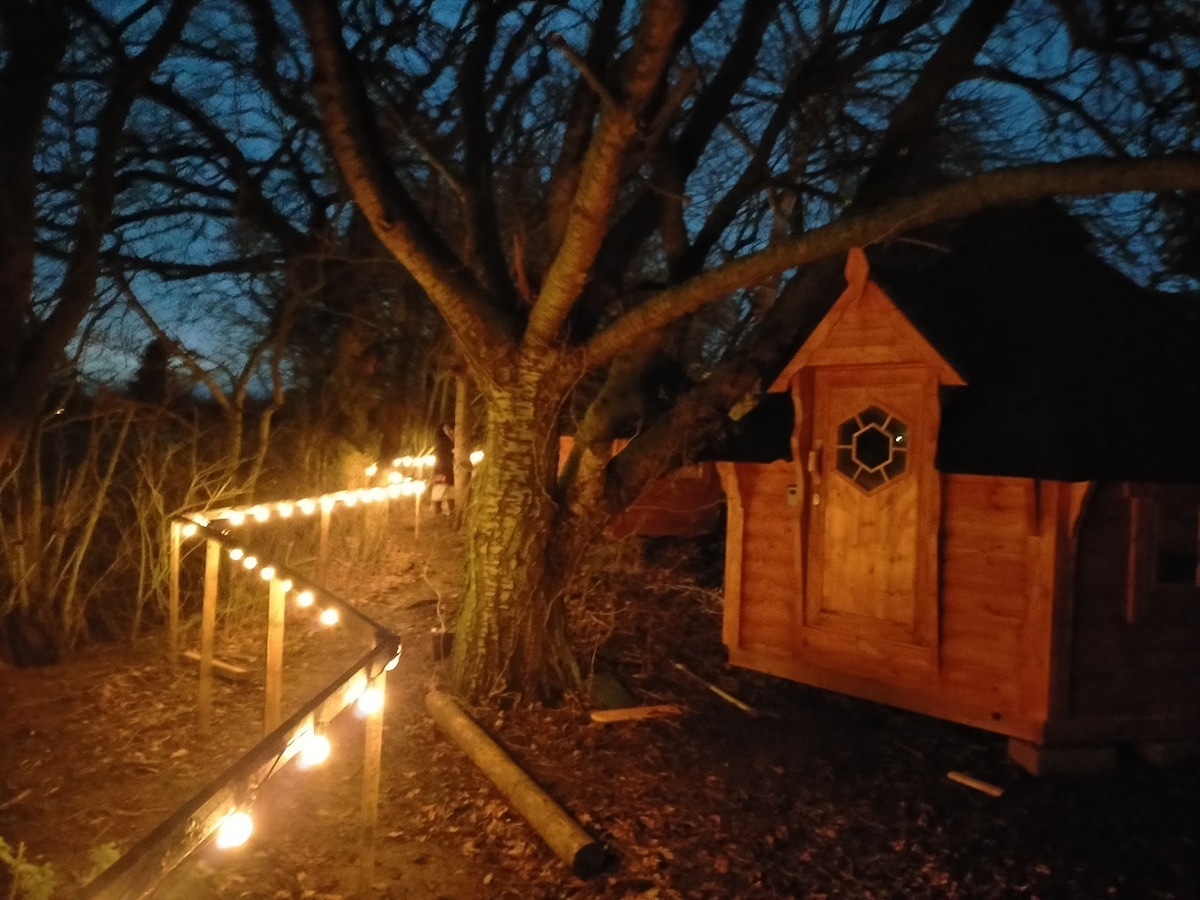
point(443, 469)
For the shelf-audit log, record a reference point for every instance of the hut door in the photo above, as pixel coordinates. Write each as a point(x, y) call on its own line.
point(871, 474)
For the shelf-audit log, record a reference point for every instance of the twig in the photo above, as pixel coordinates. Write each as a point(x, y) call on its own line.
point(724, 695)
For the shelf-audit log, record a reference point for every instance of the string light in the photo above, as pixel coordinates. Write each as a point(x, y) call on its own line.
point(307, 506)
point(236, 517)
point(250, 562)
point(236, 553)
point(476, 457)
point(285, 585)
point(393, 662)
point(189, 529)
point(371, 701)
point(304, 598)
point(371, 470)
point(267, 573)
point(261, 513)
point(329, 616)
point(314, 751)
point(234, 830)
point(285, 510)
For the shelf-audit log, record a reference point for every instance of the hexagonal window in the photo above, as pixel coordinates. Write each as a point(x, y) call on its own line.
point(872, 448)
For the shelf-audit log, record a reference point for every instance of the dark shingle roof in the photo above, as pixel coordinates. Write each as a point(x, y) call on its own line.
point(1073, 372)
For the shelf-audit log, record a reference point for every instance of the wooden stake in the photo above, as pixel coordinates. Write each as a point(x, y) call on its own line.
point(566, 838)
point(273, 713)
point(208, 627)
point(372, 763)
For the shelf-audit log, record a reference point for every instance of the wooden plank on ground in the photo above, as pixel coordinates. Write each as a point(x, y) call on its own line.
point(225, 670)
point(631, 713)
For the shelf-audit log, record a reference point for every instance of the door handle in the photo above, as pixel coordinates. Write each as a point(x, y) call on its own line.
point(814, 461)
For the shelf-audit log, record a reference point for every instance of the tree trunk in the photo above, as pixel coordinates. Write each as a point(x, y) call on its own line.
point(511, 634)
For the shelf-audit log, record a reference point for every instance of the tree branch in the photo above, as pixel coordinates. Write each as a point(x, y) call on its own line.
point(1076, 177)
point(602, 168)
point(480, 330)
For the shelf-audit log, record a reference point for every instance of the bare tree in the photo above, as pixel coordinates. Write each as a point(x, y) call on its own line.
point(69, 71)
point(627, 212)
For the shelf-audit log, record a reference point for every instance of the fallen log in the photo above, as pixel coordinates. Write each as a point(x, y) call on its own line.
point(629, 713)
point(564, 835)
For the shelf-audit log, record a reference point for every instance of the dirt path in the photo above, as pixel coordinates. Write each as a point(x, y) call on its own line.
point(821, 797)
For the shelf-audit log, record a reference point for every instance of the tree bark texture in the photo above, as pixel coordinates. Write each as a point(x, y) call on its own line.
point(511, 632)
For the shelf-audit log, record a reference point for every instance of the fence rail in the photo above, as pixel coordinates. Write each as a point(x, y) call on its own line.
point(144, 866)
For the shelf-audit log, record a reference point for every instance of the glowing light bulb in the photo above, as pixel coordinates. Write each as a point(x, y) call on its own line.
point(237, 553)
point(395, 477)
point(476, 457)
point(189, 529)
point(371, 701)
point(234, 830)
point(307, 506)
point(351, 499)
point(285, 585)
point(327, 503)
point(261, 513)
point(397, 462)
point(305, 598)
point(371, 470)
point(267, 573)
point(329, 616)
point(393, 662)
point(236, 517)
point(285, 510)
point(314, 751)
point(250, 562)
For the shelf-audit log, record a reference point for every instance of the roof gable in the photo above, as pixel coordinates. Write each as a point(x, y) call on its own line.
point(865, 327)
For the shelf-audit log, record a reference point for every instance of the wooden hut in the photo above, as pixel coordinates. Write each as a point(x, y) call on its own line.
point(989, 510)
point(684, 502)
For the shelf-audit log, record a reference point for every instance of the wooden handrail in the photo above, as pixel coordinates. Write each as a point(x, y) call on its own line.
point(143, 867)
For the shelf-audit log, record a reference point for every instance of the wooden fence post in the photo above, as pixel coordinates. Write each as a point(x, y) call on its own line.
point(273, 713)
point(372, 762)
point(323, 545)
point(208, 627)
point(173, 592)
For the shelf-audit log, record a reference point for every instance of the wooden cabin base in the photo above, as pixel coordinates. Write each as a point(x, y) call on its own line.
point(1167, 753)
point(1062, 759)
